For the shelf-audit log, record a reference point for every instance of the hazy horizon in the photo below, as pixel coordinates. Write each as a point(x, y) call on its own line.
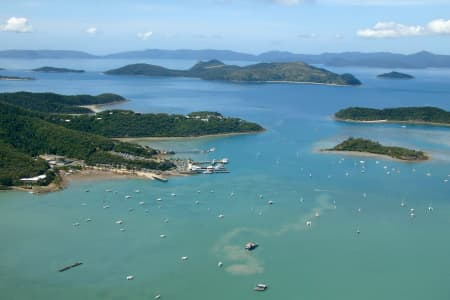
point(217, 49)
point(250, 26)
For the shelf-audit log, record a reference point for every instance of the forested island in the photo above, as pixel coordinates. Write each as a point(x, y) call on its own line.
point(125, 123)
point(55, 103)
point(296, 72)
point(395, 75)
point(421, 115)
point(32, 125)
point(359, 145)
point(47, 69)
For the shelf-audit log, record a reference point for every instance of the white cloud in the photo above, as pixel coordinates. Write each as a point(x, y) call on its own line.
point(439, 26)
point(396, 30)
point(144, 35)
point(92, 30)
point(391, 30)
point(14, 24)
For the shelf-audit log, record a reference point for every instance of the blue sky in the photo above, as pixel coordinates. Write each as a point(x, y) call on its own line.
point(302, 26)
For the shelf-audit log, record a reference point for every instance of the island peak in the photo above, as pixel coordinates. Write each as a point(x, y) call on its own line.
point(395, 75)
point(48, 69)
point(290, 72)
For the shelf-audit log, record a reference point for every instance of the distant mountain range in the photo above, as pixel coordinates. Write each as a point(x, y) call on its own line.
point(418, 60)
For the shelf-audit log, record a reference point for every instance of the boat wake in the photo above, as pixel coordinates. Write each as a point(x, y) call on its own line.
point(241, 262)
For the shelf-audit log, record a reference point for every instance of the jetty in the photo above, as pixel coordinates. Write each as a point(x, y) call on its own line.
point(70, 266)
point(207, 167)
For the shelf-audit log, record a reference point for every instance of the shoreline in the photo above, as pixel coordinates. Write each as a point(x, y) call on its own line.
point(393, 122)
point(296, 82)
point(95, 174)
point(162, 138)
point(373, 155)
point(17, 79)
point(243, 81)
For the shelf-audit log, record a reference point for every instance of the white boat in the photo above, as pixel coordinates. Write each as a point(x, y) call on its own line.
point(250, 246)
point(130, 277)
point(220, 216)
point(308, 223)
point(260, 287)
point(119, 222)
point(128, 197)
point(220, 264)
point(184, 258)
point(162, 236)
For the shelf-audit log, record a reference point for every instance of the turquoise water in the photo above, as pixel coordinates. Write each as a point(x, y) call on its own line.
point(394, 257)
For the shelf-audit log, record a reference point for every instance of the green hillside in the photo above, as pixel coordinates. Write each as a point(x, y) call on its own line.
point(424, 114)
point(55, 103)
point(262, 72)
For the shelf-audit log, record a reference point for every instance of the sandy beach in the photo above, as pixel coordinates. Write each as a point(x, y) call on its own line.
point(96, 174)
point(373, 155)
point(96, 108)
point(218, 135)
point(393, 122)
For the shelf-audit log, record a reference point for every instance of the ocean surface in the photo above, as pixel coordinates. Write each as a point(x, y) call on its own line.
point(395, 256)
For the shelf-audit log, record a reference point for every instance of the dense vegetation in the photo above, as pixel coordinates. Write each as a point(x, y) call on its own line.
point(15, 165)
point(402, 114)
point(57, 70)
point(55, 103)
point(32, 124)
point(368, 146)
point(262, 72)
point(24, 134)
point(395, 75)
point(124, 123)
